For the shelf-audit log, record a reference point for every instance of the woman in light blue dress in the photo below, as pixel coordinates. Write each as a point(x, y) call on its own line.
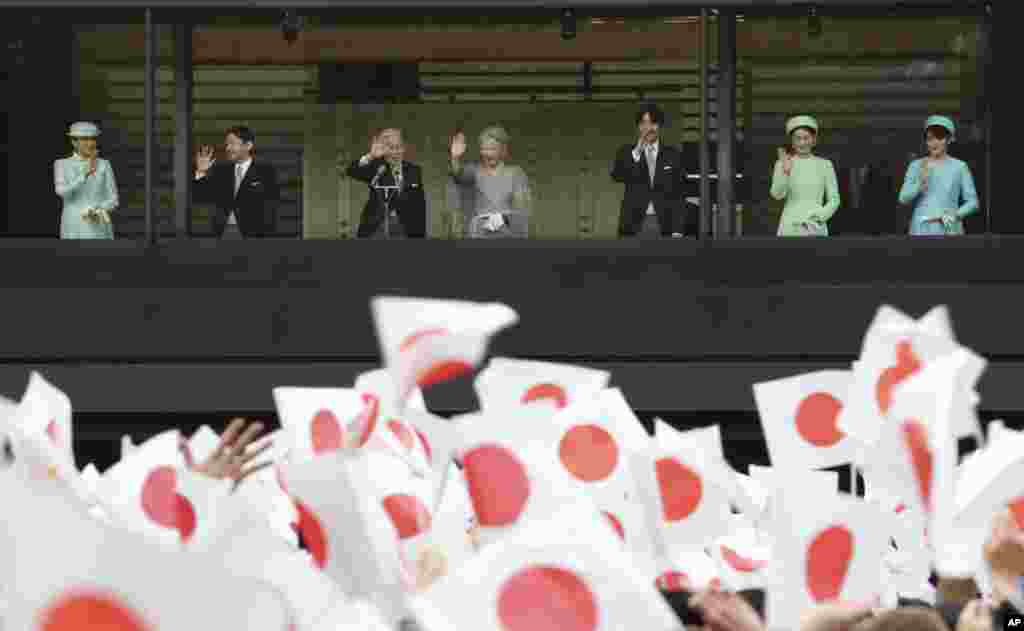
point(86, 184)
point(940, 187)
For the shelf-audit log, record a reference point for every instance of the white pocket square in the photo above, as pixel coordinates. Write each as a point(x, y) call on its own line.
point(668, 167)
point(414, 185)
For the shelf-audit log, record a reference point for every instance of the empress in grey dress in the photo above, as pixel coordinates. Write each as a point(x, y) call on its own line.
point(81, 193)
point(506, 192)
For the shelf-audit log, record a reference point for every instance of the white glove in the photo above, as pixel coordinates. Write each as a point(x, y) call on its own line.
point(948, 222)
point(103, 215)
point(89, 214)
point(495, 221)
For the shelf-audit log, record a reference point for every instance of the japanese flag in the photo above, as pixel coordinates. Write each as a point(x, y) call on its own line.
point(681, 501)
point(687, 568)
point(253, 550)
point(321, 420)
point(511, 485)
point(395, 419)
point(507, 383)
point(895, 348)
point(827, 548)
point(107, 579)
point(203, 443)
point(408, 500)
point(142, 492)
point(742, 561)
point(707, 440)
point(425, 341)
point(991, 481)
point(344, 526)
point(799, 417)
point(564, 574)
point(43, 420)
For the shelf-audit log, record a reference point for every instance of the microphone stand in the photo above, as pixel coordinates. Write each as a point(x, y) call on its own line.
point(388, 191)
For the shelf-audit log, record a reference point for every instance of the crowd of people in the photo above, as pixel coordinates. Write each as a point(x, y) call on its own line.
point(551, 507)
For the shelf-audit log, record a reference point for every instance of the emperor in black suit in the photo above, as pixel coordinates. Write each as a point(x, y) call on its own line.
point(255, 205)
point(385, 164)
point(651, 205)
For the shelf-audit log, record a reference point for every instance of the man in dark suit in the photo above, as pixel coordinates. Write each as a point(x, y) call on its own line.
point(244, 189)
point(384, 166)
point(655, 180)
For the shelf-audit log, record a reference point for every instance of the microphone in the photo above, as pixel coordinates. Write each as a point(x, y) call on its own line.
point(380, 172)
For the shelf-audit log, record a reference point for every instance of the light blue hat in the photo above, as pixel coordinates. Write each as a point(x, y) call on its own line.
point(941, 121)
point(84, 130)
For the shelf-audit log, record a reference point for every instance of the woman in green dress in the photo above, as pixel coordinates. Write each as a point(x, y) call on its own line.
point(804, 180)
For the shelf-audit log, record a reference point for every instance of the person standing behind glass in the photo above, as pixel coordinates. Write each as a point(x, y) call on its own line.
point(937, 183)
point(85, 182)
point(803, 180)
point(502, 198)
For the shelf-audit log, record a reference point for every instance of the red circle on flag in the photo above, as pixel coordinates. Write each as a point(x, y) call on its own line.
point(426, 445)
point(816, 418)
point(85, 611)
point(907, 364)
point(739, 562)
point(313, 534)
point(186, 516)
point(828, 560)
point(159, 497)
point(364, 424)
point(546, 598)
point(616, 524)
point(409, 341)
point(408, 514)
point(673, 581)
point(498, 484)
point(402, 433)
point(681, 489)
point(326, 432)
point(53, 431)
point(588, 452)
point(546, 392)
point(915, 438)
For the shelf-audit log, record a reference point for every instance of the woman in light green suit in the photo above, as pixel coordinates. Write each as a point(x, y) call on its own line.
point(86, 184)
point(803, 180)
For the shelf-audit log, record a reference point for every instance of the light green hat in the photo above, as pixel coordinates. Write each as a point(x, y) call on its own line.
point(941, 121)
point(84, 130)
point(801, 121)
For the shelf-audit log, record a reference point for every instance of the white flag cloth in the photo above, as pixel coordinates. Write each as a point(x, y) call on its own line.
point(510, 485)
point(42, 421)
point(142, 492)
point(438, 440)
point(507, 383)
point(563, 574)
point(203, 443)
point(895, 348)
point(345, 528)
point(106, 578)
point(426, 341)
point(321, 420)
point(453, 520)
point(683, 504)
point(828, 547)
point(395, 418)
point(799, 416)
point(743, 563)
point(708, 440)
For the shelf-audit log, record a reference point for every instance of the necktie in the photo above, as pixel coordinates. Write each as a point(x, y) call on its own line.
point(650, 163)
point(238, 177)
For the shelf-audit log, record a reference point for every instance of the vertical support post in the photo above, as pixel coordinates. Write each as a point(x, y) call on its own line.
point(150, 106)
point(725, 96)
point(183, 84)
point(706, 218)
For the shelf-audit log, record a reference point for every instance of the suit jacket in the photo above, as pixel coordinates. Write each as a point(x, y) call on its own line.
point(667, 193)
point(410, 203)
point(256, 204)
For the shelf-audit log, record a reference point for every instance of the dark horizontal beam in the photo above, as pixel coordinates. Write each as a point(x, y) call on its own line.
point(553, 5)
point(233, 387)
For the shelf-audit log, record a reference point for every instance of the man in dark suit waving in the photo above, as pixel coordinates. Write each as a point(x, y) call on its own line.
point(384, 166)
point(244, 189)
point(655, 180)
